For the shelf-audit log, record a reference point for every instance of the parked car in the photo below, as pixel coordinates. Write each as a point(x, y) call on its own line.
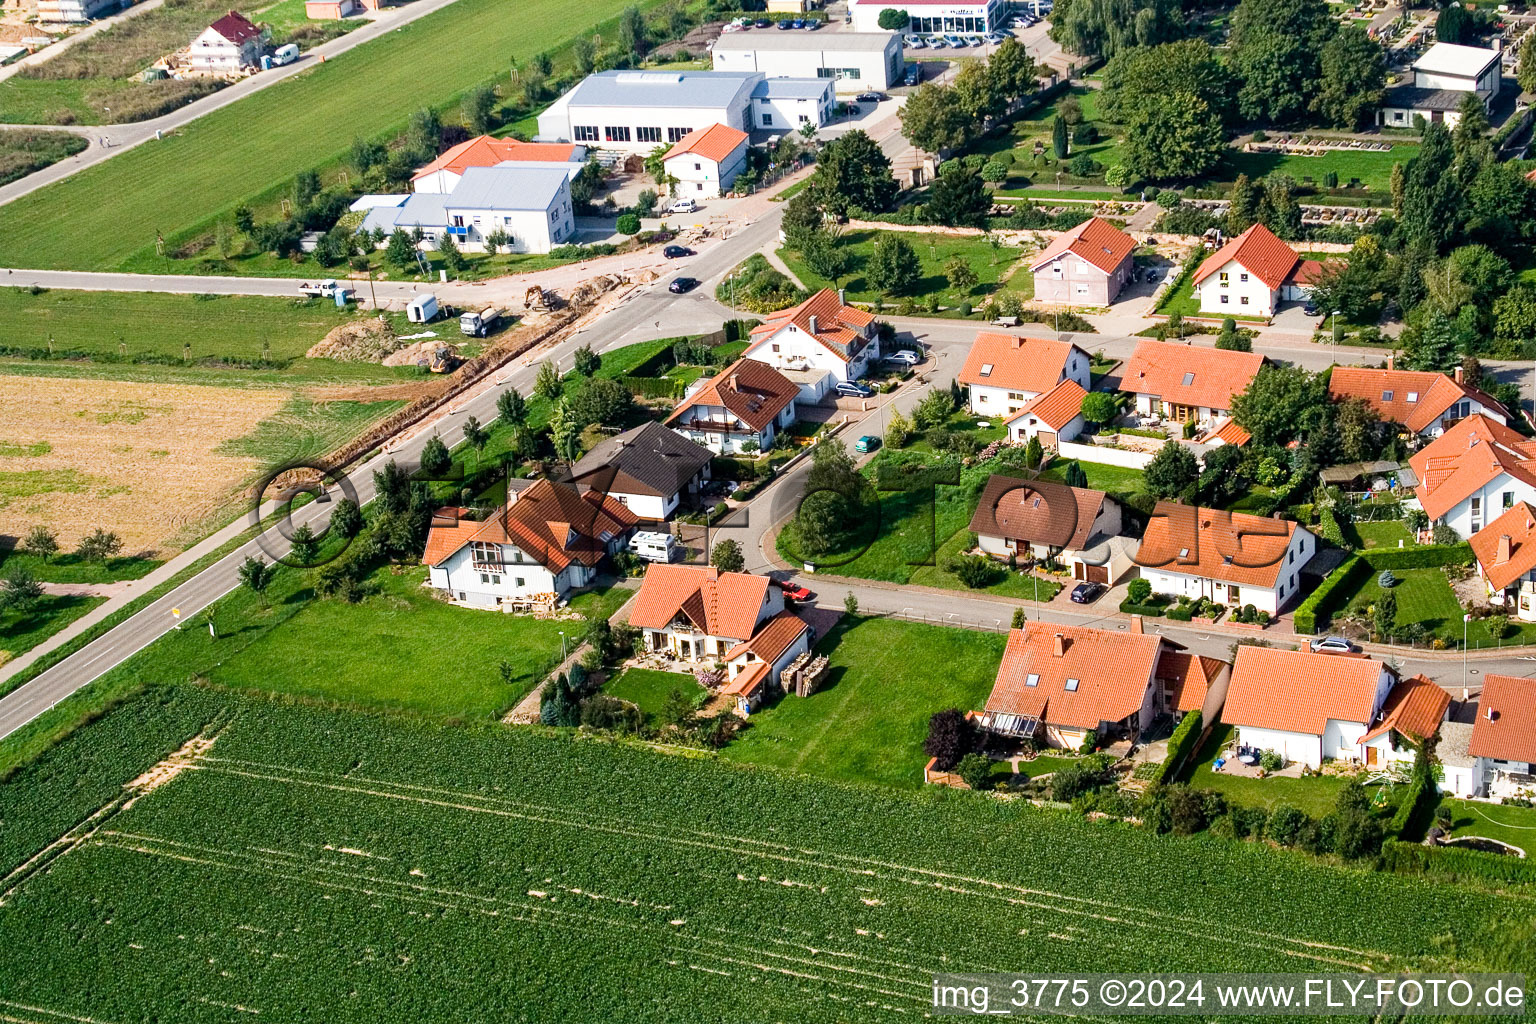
point(915, 43)
point(673, 252)
point(937, 43)
point(1335, 645)
point(681, 285)
point(912, 75)
point(812, 24)
point(683, 206)
point(1309, 307)
point(763, 23)
point(996, 37)
point(853, 389)
point(866, 444)
point(906, 357)
point(795, 592)
point(871, 97)
point(786, 25)
point(1087, 593)
point(797, 23)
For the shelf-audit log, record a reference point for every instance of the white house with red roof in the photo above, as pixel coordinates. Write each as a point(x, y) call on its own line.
point(1252, 274)
point(1229, 558)
point(1005, 372)
point(1306, 707)
point(1503, 741)
point(547, 539)
point(818, 344)
point(706, 162)
point(1086, 266)
point(1474, 472)
point(1411, 713)
point(1186, 383)
point(742, 408)
point(1506, 560)
point(1074, 526)
point(443, 175)
point(233, 45)
point(1051, 418)
point(1425, 402)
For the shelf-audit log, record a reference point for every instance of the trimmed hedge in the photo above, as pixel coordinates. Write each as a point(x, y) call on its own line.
point(1180, 745)
point(654, 387)
point(1130, 607)
point(1449, 864)
point(1181, 612)
point(1325, 600)
point(1430, 556)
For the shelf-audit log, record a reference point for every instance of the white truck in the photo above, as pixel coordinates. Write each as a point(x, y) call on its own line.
point(477, 324)
point(655, 547)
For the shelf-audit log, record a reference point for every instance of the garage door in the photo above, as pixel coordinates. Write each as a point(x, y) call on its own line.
point(1098, 574)
point(1077, 571)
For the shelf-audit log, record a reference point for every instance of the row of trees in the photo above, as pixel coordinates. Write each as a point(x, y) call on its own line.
point(945, 118)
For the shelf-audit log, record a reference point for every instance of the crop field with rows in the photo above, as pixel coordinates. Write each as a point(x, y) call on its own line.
point(295, 863)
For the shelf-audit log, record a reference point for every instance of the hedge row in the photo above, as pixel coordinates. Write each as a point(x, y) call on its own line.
point(1324, 601)
point(654, 387)
point(1430, 556)
point(1129, 607)
point(1180, 745)
point(1449, 864)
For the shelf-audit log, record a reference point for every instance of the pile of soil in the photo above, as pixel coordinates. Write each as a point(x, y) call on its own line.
point(412, 354)
point(362, 341)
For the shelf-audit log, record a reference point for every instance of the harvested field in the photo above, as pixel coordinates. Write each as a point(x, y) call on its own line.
point(141, 459)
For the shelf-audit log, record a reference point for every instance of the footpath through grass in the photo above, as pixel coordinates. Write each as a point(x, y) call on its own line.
point(868, 723)
point(107, 216)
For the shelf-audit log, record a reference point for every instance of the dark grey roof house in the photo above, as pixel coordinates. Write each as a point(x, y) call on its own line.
point(649, 468)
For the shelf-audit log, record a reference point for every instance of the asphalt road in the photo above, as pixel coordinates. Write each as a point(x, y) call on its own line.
point(123, 137)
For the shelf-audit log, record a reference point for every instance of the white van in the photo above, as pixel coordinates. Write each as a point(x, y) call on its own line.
point(285, 55)
point(655, 547)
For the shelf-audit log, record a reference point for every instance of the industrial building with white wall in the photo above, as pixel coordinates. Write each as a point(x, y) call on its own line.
point(853, 61)
point(933, 17)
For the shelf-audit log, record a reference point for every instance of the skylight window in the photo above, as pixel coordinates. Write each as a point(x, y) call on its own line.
point(1189, 378)
point(1072, 685)
point(1033, 679)
point(1386, 396)
point(1183, 552)
point(986, 369)
point(1413, 396)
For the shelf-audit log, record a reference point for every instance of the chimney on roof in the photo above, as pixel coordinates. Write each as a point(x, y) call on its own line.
point(1391, 359)
point(1059, 648)
point(734, 386)
point(1136, 627)
point(1018, 342)
point(1460, 375)
point(840, 300)
point(1503, 555)
point(813, 324)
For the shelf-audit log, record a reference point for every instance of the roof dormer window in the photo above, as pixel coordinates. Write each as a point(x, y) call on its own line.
point(1386, 396)
point(986, 369)
point(1072, 685)
point(1033, 679)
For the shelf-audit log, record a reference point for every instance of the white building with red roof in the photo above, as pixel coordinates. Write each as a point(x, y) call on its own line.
point(1005, 372)
point(818, 344)
point(546, 540)
point(706, 162)
point(443, 175)
point(1186, 383)
point(1506, 560)
point(1306, 707)
point(1425, 402)
point(1503, 741)
point(1229, 558)
point(1474, 472)
point(742, 408)
point(1074, 526)
point(231, 46)
point(1252, 274)
point(1086, 266)
point(1051, 418)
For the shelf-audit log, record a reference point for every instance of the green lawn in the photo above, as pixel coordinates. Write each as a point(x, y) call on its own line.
point(401, 647)
point(1385, 534)
point(1373, 169)
point(1181, 298)
point(22, 631)
point(1425, 596)
point(71, 568)
point(1116, 481)
point(649, 689)
point(119, 326)
point(306, 429)
point(1025, 132)
point(1014, 584)
point(932, 250)
point(1316, 795)
point(252, 149)
point(1513, 825)
point(22, 151)
point(869, 722)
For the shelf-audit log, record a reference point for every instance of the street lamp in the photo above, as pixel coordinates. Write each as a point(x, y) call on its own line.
point(1337, 330)
point(562, 645)
point(1464, 620)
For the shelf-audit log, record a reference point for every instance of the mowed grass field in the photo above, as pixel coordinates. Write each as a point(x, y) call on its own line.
point(1373, 168)
point(317, 864)
point(933, 251)
point(255, 146)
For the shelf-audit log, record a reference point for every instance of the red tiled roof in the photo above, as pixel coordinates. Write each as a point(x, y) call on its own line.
point(1470, 454)
point(451, 529)
point(1306, 272)
point(540, 522)
point(1191, 676)
point(839, 328)
point(1518, 523)
point(487, 151)
point(1510, 734)
point(1112, 671)
point(1298, 691)
point(773, 638)
point(1057, 407)
point(1432, 393)
point(1227, 432)
point(1233, 547)
point(1009, 361)
point(749, 681)
point(753, 391)
point(235, 27)
point(1188, 374)
point(1257, 251)
point(1038, 511)
point(1414, 708)
point(719, 604)
point(716, 142)
point(1095, 240)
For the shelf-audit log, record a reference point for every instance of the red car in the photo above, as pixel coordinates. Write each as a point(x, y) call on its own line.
point(795, 592)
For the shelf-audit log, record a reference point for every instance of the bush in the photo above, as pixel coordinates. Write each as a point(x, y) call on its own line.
point(1314, 613)
point(1138, 590)
point(976, 571)
point(1080, 777)
point(951, 736)
point(1270, 761)
point(1452, 864)
point(1179, 745)
point(1286, 824)
point(1431, 556)
point(975, 770)
point(627, 224)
